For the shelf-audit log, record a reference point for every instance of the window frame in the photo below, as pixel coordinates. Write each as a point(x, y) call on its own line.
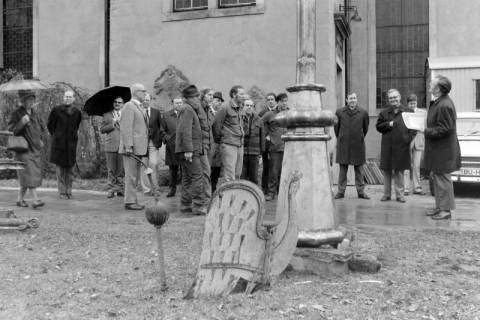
point(223, 6)
point(213, 11)
point(174, 7)
point(477, 94)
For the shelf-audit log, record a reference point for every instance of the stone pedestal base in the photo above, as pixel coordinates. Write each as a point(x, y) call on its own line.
point(321, 261)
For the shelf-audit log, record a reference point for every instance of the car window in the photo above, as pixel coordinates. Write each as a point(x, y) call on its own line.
point(469, 126)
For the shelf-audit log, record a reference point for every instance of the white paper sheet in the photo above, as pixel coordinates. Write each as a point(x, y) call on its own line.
point(414, 121)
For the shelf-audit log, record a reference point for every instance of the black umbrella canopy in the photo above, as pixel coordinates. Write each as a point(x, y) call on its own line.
point(102, 101)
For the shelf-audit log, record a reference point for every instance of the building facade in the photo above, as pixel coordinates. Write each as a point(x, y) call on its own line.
point(364, 46)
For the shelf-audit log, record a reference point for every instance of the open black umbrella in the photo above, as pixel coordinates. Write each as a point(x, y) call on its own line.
point(102, 101)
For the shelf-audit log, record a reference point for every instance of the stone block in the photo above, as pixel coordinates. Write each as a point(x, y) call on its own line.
point(364, 263)
point(321, 261)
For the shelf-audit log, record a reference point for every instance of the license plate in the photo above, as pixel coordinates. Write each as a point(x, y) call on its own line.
point(470, 172)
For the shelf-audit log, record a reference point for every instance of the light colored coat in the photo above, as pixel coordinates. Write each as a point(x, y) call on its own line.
point(133, 129)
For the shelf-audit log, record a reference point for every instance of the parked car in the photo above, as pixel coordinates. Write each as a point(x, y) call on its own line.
point(468, 132)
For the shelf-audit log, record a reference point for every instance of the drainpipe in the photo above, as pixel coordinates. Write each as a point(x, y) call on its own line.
point(107, 44)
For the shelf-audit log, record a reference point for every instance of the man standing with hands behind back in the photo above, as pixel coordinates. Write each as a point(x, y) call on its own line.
point(63, 124)
point(133, 141)
point(350, 130)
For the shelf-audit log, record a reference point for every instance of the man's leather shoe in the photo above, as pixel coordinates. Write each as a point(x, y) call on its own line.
point(421, 192)
point(37, 204)
point(134, 206)
point(120, 194)
point(401, 199)
point(432, 212)
point(186, 209)
point(63, 196)
point(70, 196)
point(22, 204)
point(269, 197)
point(339, 195)
point(442, 215)
point(385, 198)
point(171, 193)
point(363, 196)
point(406, 193)
point(110, 194)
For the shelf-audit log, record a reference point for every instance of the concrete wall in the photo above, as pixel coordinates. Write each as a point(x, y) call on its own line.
point(255, 49)
point(454, 28)
point(363, 69)
point(71, 42)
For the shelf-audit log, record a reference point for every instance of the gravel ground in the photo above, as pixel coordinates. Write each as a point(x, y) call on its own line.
point(90, 259)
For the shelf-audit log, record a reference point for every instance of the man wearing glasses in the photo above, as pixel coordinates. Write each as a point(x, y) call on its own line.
point(111, 127)
point(133, 141)
point(395, 146)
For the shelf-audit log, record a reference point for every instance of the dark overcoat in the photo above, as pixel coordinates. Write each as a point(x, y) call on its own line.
point(63, 127)
point(154, 127)
point(350, 130)
point(254, 139)
point(274, 131)
point(395, 146)
point(189, 133)
point(168, 127)
point(442, 150)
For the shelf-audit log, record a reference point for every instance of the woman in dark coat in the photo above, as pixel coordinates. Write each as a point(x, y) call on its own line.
point(395, 145)
point(442, 150)
point(26, 122)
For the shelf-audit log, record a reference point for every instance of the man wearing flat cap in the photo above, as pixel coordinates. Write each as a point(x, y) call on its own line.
point(190, 148)
point(442, 150)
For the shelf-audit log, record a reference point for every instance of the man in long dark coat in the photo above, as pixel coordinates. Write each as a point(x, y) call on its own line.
point(395, 148)
point(63, 123)
point(442, 150)
point(350, 130)
point(168, 128)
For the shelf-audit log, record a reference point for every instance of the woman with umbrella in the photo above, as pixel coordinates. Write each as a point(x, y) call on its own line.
point(26, 122)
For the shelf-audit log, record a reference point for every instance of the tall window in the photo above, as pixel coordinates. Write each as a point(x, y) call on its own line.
point(186, 5)
point(402, 47)
point(235, 3)
point(477, 95)
point(18, 36)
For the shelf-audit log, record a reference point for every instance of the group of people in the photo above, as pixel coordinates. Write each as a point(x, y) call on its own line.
point(210, 141)
point(402, 148)
point(207, 141)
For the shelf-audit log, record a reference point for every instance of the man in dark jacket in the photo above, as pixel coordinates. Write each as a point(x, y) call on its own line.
point(395, 148)
point(442, 150)
point(350, 130)
point(228, 132)
point(275, 145)
point(63, 123)
point(168, 128)
point(270, 104)
point(189, 147)
point(154, 143)
point(253, 143)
